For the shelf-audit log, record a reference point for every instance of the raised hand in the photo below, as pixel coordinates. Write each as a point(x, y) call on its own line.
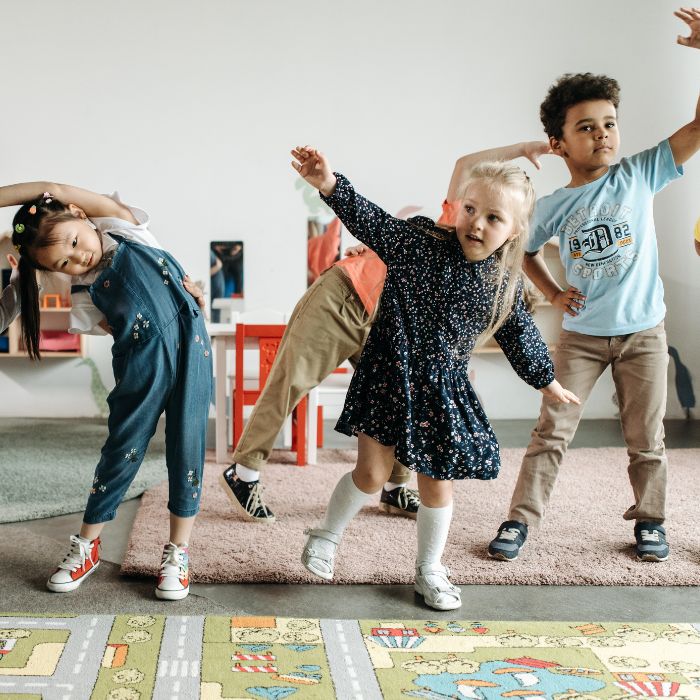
point(691, 16)
point(314, 168)
point(532, 150)
point(557, 392)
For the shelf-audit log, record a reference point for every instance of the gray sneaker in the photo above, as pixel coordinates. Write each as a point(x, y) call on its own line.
point(651, 542)
point(510, 540)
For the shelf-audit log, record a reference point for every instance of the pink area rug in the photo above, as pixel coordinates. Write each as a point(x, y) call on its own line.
point(584, 540)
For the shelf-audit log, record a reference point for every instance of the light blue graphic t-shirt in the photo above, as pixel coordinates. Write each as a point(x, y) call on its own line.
point(607, 243)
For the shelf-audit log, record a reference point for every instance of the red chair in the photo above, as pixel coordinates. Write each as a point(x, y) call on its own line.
point(268, 337)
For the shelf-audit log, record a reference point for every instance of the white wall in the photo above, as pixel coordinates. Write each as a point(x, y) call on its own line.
point(189, 109)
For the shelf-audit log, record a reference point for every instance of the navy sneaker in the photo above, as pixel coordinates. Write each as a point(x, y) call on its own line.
point(651, 542)
point(246, 496)
point(400, 501)
point(510, 540)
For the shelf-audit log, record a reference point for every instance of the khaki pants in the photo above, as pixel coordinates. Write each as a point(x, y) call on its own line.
point(639, 362)
point(328, 326)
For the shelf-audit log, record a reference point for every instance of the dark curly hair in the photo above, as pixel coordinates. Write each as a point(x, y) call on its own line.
point(571, 89)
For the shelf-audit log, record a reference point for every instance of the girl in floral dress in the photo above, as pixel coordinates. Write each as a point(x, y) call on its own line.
point(410, 397)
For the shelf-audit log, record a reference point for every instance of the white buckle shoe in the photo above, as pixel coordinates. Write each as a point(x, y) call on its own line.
point(433, 584)
point(319, 552)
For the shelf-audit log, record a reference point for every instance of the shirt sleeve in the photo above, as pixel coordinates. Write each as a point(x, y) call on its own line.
point(85, 317)
point(9, 306)
point(449, 214)
point(540, 231)
point(392, 239)
point(655, 166)
point(139, 232)
point(522, 344)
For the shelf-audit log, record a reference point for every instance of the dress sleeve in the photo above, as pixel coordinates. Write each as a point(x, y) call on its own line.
point(9, 306)
point(522, 344)
point(392, 239)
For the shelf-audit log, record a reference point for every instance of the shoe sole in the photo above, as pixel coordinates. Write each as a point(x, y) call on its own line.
point(172, 595)
point(502, 557)
point(72, 585)
point(454, 606)
point(239, 507)
point(394, 510)
point(651, 557)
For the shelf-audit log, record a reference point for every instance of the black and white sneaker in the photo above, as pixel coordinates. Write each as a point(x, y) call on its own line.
point(651, 542)
point(509, 541)
point(246, 496)
point(400, 501)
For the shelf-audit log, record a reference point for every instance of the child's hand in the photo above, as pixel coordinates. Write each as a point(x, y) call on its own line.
point(532, 150)
point(314, 168)
point(557, 392)
point(691, 16)
point(196, 292)
point(356, 250)
point(570, 301)
point(14, 264)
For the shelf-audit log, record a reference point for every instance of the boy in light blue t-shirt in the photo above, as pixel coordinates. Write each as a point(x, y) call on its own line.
point(613, 308)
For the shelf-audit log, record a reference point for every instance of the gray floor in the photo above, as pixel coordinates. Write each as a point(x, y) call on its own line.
point(108, 592)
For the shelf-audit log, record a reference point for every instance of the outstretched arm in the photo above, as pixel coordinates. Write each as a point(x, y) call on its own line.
point(685, 143)
point(313, 166)
point(532, 150)
point(91, 203)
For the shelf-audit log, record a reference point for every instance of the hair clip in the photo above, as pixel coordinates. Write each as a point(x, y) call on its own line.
point(17, 247)
point(32, 209)
point(47, 197)
point(19, 228)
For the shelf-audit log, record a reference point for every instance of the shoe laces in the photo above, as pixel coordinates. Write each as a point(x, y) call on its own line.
point(255, 500)
point(650, 535)
point(173, 563)
point(408, 498)
point(510, 533)
point(79, 553)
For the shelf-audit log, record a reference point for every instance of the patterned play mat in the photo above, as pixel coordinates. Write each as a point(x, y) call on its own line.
point(134, 657)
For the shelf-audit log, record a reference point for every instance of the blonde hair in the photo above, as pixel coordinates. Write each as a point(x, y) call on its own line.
point(507, 274)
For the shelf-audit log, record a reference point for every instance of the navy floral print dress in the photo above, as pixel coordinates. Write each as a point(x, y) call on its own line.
point(411, 388)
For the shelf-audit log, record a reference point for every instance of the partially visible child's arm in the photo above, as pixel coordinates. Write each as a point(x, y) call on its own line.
point(9, 301)
point(531, 150)
point(685, 143)
point(91, 203)
point(570, 300)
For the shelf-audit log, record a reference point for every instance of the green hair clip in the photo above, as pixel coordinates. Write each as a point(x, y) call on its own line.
point(19, 228)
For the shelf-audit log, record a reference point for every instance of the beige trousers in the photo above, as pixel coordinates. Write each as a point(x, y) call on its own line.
point(328, 326)
point(639, 362)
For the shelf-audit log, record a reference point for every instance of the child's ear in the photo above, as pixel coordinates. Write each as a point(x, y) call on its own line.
point(557, 146)
point(77, 212)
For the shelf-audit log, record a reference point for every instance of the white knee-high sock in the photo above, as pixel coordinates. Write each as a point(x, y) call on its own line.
point(433, 527)
point(344, 505)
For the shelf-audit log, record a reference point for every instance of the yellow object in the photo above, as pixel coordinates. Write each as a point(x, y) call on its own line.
point(697, 231)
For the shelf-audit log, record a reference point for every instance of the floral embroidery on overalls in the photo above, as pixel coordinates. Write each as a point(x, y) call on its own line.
point(131, 455)
point(166, 272)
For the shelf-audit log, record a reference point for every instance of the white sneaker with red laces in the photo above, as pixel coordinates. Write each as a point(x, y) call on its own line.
point(174, 577)
point(80, 562)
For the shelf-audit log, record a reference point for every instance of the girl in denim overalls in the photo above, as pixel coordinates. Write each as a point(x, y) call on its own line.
point(123, 284)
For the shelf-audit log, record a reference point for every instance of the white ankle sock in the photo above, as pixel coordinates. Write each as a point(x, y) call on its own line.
point(344, 505)
point(433, 528)
point(390, 486)
point(246, 474)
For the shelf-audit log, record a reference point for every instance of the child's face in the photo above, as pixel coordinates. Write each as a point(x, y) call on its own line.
point(78, 249)
point(590, 138)
point(486, 219)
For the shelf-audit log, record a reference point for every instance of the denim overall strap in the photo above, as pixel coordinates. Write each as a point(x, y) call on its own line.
point(161, 362)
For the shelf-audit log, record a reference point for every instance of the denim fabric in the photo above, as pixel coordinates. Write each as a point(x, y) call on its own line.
point(161, 360)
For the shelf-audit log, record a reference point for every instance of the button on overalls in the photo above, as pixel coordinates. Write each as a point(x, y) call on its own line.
point(161, 359)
